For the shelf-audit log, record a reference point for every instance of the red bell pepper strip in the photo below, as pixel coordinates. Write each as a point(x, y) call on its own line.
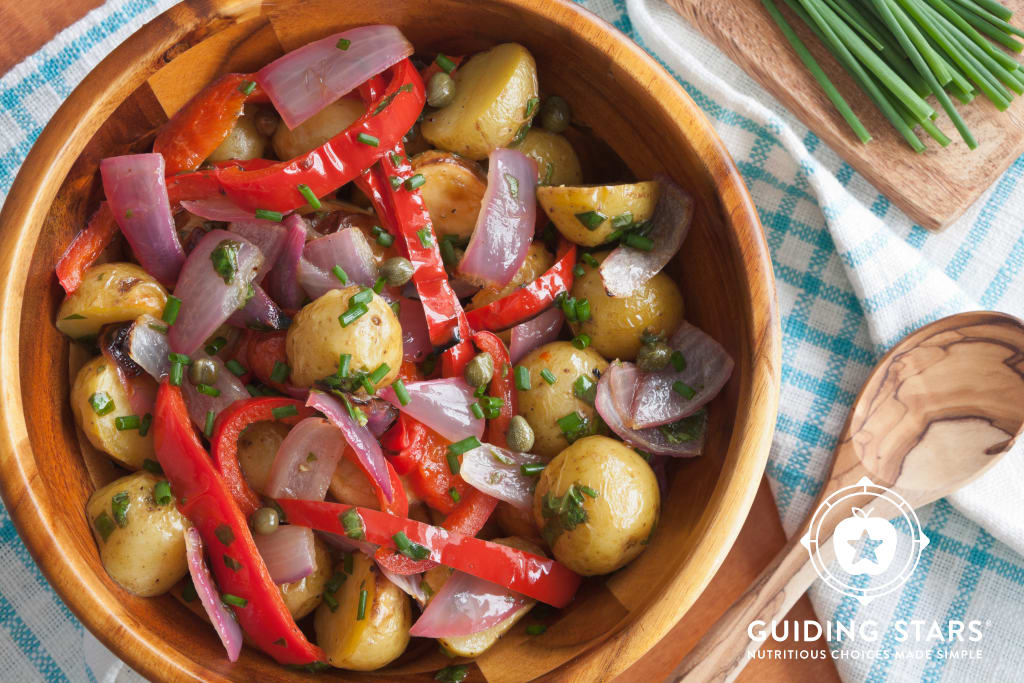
point(534, 576)
point(205, 499)
point(530, 300)
point(340, 159)
point(502, 386)
point(198, 128)
point(264, 351)
point(86, 247)
point(205, 184)
point(224, 443)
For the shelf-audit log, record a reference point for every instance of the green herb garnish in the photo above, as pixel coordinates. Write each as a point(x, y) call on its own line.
point(225, 259)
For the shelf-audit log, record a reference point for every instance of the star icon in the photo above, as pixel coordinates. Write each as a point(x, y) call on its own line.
point(866, 546)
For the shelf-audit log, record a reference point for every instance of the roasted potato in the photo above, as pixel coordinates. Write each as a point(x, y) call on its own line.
point(617, 324)
point(538, 260)
point(97, 400)
point(452, 191)
point(243, 142)
point(615, 206)
point(492, 93)
point(544, 404)
point(110, 293)
point(257, 448)
point(142, 544)
point(475, 644)
point(380, 635)
point(303, 596)
point(606, 518)
point(316, 339)
point(350, 485)
point(289, 143)
point(557, 163)
point(515, 521)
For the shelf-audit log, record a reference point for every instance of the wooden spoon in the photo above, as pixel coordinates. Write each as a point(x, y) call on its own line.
point(937, 411)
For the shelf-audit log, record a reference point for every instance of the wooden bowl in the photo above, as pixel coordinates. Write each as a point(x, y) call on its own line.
point(615, 89)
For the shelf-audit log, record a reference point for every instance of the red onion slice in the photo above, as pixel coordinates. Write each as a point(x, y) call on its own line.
point(362, 441)
point(217, 208)
point(223, 621)
point(268, 237)
point(504, 227)
point(615, 392)
point(443, 405)
point(415, 336)
point(496, 471)
point(305, 461)
point(380, 415)
point(306, 80)
point(626, 268)
point(289, 553)
point(283, 281)
point(708, 368)
point(410, 584)
point(534, 333)
point(199, 404)
point(137, 385)
point(137, 195)
point(347, 249)
point(148, 346)
point(466, 605)
point(259, 313)
point(207, 301)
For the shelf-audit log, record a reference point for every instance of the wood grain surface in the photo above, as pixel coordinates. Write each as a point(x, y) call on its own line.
point(933, 188)
point(27, 26)
point(45, 481)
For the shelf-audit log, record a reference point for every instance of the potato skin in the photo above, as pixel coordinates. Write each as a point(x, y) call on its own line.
point(618, 521)
point(562, 203)
point(543, 404)
point(372, 642)
point(316, 339)
point(317, 129)
point(257, 448)
point(617, 323)
point(126, 447)
point(243, 142)
point(491, 93)
point(303, 596)
point(147, 556)
point(110, 293)
point(538, 260)
point(557, 163)
point(452, 192)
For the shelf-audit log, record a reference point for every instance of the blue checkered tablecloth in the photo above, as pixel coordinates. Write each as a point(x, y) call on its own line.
point(854, 275)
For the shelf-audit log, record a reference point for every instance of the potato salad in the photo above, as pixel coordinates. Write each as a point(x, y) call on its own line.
point(378, 358)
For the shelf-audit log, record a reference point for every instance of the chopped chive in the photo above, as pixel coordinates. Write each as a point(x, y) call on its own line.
point(522, 376)
point(467, 444)
point(349, 563)
point(162, 493)
point(363, 296)
point(334, 583)
point(162, 329)
point(101, 403)
point(236, 368)
point(353, 525)
point(480, 391)
point(280, 372)
point(638, 241)
point(171, 309)
point(361, 611)
point(179, 358)
point(368, 139)
point(340, 274)
point(678, 361)
point(513, 185)
point(207, 390)
point(378, 286)
point(477, 411)
point(266, 215)
point(453, 463)
point(385, 239)
point(119, 505)
point(590, 260)
point(208, 427)
point(578, 271)
point(589, 491)
point(308, 195)
point(684, 390)
point(233, 599)
point(395, 181)
point(216, 345)
point(379, 373)
point(127, 422)
point(104, 525)
point(282, 412)
point(548, 376)
point(231, 563)
point(591, 220)
point(454, 495)
point(426, 237)
point(246, 87)
point(581, 341)
point(622, 220)
point(452, 674)
point(147, 421)
point(585, 389)
point(396, 307)
point(395, 158)
point(330, 601)
point(570, 424)
point(536, 629)
point(411, 549)
point(224, 534)
point(415, 181)
point(343, 364)
point(445, 63)
point(531, 469)
point(582, 310)
point(353, 314)
point(402, 393)
point(152, 466)
point(343, 43)
point(176, 373)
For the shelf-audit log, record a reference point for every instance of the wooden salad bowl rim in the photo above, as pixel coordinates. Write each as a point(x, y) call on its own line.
point(52, 545)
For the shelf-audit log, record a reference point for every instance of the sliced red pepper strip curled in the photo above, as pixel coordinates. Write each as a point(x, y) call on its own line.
point(530, 300)
point(86, 247)
point(205, 184)
point(206, 501)
point(534, 576)
point(199, 127)
point(339, 160)
point(502, 386)
point(228, 428)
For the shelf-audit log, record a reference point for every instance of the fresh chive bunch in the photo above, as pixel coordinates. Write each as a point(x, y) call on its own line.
point(899, 52)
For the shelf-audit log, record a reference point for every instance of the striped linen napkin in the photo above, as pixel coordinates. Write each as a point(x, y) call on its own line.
point(854, 275)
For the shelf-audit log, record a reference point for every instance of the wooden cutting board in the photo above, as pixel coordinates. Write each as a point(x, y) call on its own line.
point(933, 188)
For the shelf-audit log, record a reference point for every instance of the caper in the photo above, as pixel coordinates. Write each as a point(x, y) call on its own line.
point(480, 370)
point(203, 371)
point(520, 434)
point(397, 271)
point(266, 121)
point(440, 90)
point(265, 521)
point(555, 114)
point(653, 357)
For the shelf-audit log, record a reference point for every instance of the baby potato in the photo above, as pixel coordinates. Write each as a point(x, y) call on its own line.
point(316, 338)
point(492, 91)
point(557, 163)
point(538, 260)
point(97, 400)
point(634, 202)
point(616, 324)
point(350, 485)
point(110, 293)
point(515, 521)
point(544, 404)
point(317, 129)
point(597, 504)
point(243, 142)
point(257, 448)
point(370, 641)
point(142, 544)
point(452, 192)
point(302, 596)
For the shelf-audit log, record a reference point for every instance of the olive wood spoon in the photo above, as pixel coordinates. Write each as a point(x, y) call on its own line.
point(936, 412)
